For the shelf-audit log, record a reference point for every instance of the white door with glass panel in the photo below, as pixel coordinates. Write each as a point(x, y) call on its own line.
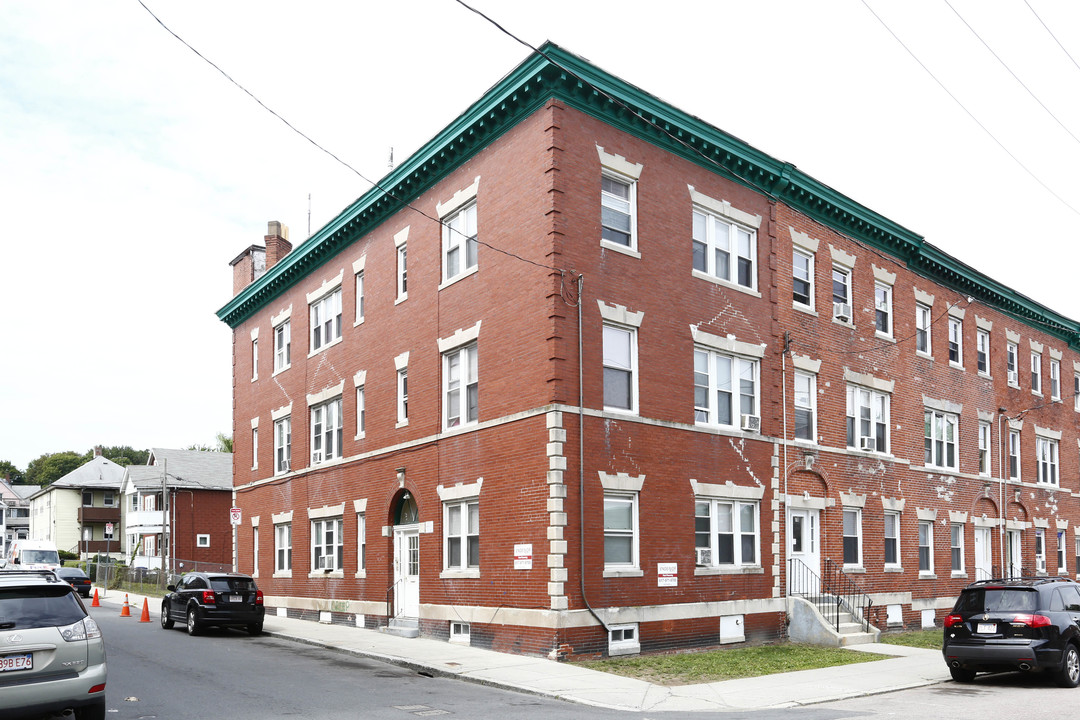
point(407, 571)
point(803, 546)
point(984, 554)
point(1012, 552)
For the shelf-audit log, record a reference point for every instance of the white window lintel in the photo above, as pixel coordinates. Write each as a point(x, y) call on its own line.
point(984, 324)
point(842, 257)
point(254, 423)
point(621, 481)
point(281, 517)
point(358, 266)
point(360, 505)
point(1035, 346)
point(323, 395)
point(326, 511)
point(926, 514)
point(281, 317)
point(803, 241)
point(957, 312)
point(893, 504)
point(281, 412)
point(619, 314)
point(853, 500)
point(402, 361)
point(924, 298)
point(1048, 433)
point(326, 288)
point(360, 378)
point(728, 344)
point(460, 199)
point(461, 336)
point(460, 491)
point(801, 362)
point(869, 381)
point(724, 208)
point(955, 516)
point(728, 490)
point(401, 236)
point(619, 164)
point(883, 276)
point(947, 406)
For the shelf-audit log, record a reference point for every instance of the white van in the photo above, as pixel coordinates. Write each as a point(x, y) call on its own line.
point(32, 555)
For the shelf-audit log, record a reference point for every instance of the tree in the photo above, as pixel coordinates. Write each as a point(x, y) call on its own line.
point(12, 473)
point(224, 444)
point(50, 467)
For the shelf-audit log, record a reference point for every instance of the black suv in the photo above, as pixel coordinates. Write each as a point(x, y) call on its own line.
point(1030, 624)
point(223, 599)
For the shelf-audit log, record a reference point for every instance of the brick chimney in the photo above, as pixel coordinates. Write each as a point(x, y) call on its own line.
point(277, 243)
point(248, 267)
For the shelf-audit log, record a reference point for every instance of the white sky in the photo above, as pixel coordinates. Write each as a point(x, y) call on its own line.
point(131, 172)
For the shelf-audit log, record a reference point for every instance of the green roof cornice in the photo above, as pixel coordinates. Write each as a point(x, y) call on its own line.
point(556, 73)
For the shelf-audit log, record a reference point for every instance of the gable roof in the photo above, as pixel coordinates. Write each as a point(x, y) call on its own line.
point(192, 469)
point(555, 73)
point(99, 473)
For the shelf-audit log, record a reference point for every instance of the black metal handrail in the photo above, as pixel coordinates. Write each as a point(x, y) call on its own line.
point(832, 593)
point(390, 602)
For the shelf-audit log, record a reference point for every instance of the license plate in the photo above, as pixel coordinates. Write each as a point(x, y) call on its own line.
point(16, 662)
point(236, 598)
point(986, 628)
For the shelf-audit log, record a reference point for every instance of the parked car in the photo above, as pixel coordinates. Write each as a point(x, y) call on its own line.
point(52, 657)
point(1028, 624)
point(76, 578)
point(208, 599)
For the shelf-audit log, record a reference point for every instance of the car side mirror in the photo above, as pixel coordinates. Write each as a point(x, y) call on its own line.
point(170, 588)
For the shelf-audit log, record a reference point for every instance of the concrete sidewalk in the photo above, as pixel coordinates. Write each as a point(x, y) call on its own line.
point(906, 668)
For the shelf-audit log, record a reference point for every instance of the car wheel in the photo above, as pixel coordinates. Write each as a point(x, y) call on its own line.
point(1069, 674)
point(255, 628)
point(166, 621)
point(962, 674)
point(193, 626)
point(91, 712)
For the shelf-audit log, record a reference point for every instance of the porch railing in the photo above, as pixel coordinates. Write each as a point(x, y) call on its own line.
point(832, 593)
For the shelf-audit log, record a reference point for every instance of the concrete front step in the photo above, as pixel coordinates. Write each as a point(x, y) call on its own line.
point(403, 627)
point(857, 638)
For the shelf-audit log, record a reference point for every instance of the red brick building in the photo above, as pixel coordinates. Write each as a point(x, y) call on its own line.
point(586, 375)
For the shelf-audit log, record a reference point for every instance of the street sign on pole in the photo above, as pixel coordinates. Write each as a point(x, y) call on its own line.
point(234, 516)
point(108, 529)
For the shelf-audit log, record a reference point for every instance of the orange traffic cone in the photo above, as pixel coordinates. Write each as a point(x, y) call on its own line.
point(126, 610)
point(96, 603)
point(145, 617)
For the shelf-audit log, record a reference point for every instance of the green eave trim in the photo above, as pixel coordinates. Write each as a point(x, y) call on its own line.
point(556, 73)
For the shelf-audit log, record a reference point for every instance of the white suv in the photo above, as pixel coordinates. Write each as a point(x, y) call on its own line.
point(52, 657)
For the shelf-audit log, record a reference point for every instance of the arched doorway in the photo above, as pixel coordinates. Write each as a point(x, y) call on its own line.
point(406, 517)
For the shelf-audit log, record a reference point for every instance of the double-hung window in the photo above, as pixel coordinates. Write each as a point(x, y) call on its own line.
point(1061, 569)
point(867, 419)
point(805, 402)
point(326, 320)
point(1012, 370)
point(1055, 379)
point(403, 396)
point(283, 547)
point(620, 368)
point(1036, 373)
point(883, 308)
point(956, 547)
point(620, 530)
point(1076, 392)
point(459, 243)
point(726, 533)
point(723, 249)
point(359, 296)
point(282, 346)
point(282, 444)
point(361, 542)
point(1014, 454)
point(402, 271)
point(923, 320)
point(940, 439)
point(617, 203)
point(460, 386)
point(1040, 550)
point(982, 352)
point(327, 544)
point(802, 276)
point(1046, 455)
point(462, 537)
point(926, 546)
point(841, 293)
point(956, 341)
point(254, 359)
point(725, 388)
point(852, 533)
point(892, 538)
point(984, 449)
point(326, 431)
point(361, 411)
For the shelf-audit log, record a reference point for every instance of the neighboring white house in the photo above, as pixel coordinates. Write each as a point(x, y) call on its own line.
point(75, 511)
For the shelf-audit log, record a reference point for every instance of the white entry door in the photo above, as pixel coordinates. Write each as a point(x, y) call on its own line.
point(984, 554)
point(407, 571)
point(803, 545)
point(1012, 550)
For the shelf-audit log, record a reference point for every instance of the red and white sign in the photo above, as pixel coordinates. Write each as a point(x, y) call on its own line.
point(523, 556)
point(667, 574)
point(108, 529)
point(235, 515)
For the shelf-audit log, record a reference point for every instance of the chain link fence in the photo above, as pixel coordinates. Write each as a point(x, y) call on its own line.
point(152, 581)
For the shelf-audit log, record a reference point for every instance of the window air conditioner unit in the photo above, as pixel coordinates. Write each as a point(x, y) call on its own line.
point(325, 563)
point(751, 423)
point(316, 457)
point(1013, 378)
point(841, 311)
point(285, 466)
point(868, 444)
point(703, 556)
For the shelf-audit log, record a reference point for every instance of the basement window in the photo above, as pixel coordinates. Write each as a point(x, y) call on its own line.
point(623, 640)
point(459, 632)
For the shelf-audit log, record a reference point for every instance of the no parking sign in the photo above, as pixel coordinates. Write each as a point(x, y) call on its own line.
point(234, 516)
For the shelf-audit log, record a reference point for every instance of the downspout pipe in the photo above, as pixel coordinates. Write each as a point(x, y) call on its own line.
point(581, 456)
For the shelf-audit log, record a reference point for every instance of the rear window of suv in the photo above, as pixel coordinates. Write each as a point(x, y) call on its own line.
point(25, 608)
point(232, 584)
point(983, 600)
